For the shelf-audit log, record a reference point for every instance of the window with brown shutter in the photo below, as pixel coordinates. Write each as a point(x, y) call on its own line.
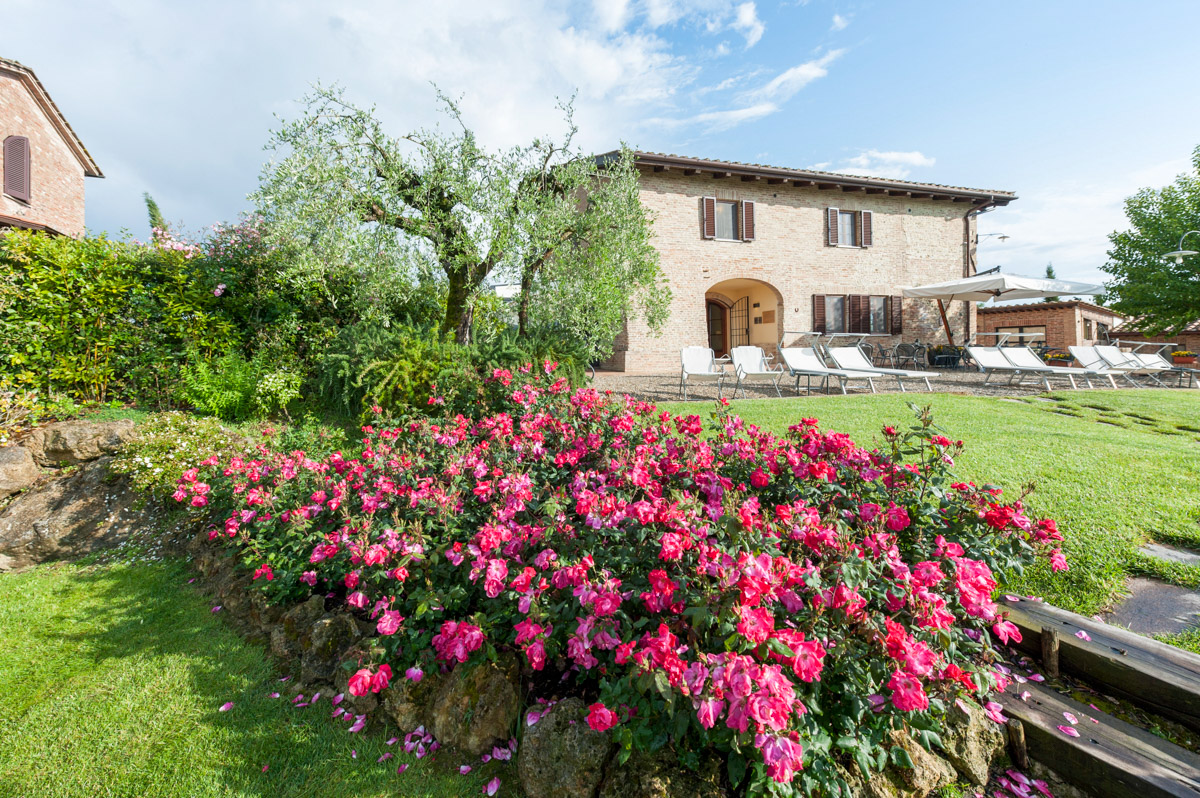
point(16, 168)
point(747, 221)
point(708, 217)
point(896, 316)
point(832, 223)
point(818, 313)
point(864, 228)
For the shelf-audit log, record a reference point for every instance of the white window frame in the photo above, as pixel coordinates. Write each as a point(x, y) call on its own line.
point(855, 221)
point(737, 221)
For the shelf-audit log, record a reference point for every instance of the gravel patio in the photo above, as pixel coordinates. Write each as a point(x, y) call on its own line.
point(665, 387)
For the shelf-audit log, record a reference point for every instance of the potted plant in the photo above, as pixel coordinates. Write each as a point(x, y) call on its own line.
point(1058, 358)
point(1184, 357)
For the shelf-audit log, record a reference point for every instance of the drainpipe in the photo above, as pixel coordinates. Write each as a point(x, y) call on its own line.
point(969, 265)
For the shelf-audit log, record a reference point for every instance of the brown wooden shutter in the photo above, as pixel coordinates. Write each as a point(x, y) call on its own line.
point(895, 315)
point(818, 313)
point(832, 218)
point(854, 313)
point(16, 167)
point(864, 228)
point(747, 221)
point(860, 313)
point(708, 214)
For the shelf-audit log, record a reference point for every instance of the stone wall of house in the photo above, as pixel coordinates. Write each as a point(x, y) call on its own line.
point(56, 175)
point(916, 241)
point(1067, 323)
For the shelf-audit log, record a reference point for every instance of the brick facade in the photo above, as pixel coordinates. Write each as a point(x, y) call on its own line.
point(916, 241)
point(1066, 323)
point(58, 162)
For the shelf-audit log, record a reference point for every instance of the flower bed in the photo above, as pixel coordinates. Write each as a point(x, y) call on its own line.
point(784, 601)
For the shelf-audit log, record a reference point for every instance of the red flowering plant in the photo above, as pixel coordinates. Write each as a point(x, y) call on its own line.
point(785, 601)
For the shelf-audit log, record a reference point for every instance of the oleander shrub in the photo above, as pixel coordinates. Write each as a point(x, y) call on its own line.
point(784, 601)
point(97, 319)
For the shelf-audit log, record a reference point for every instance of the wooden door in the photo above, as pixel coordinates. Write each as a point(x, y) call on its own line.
point(718, 339)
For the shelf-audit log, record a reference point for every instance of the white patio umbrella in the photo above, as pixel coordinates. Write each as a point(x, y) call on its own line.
point(993, 285)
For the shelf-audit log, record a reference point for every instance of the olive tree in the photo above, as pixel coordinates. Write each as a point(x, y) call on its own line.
point(445, 210)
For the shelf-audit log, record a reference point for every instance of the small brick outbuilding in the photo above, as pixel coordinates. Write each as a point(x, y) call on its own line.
point(1062, 324)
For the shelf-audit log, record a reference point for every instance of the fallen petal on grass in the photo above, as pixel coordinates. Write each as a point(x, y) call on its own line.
point(228, 705)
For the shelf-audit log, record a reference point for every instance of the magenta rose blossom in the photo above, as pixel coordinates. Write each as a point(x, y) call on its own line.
point(381, 679)
point(360, 683)
point(601, 718)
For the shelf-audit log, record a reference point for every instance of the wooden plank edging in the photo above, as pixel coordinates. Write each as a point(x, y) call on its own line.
point(1110, 757)
point(1158, 677)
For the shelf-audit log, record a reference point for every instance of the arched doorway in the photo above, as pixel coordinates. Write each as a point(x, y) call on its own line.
point(740, 312)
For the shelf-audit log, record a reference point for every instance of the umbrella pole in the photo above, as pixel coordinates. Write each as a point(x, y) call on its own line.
point(945, 322)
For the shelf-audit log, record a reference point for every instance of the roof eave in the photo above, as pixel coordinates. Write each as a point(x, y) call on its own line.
point(823, 180)
point(43, 98)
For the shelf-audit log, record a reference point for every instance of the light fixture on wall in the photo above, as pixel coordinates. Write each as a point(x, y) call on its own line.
point(1180, 253)
point(998, 236)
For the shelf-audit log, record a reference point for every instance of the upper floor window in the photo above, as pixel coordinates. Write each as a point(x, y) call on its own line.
point(727, 220)
point(16, 167)
point(727, 226)
point(847, 232)
point(849, 228)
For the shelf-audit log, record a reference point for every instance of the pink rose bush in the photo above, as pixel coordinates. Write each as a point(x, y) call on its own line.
point(784, 600)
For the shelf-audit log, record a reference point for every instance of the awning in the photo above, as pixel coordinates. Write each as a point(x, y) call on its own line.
point(983, 287)
point(994, 285)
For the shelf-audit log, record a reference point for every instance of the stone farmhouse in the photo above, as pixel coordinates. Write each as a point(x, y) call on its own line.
point(750, 252)
point(43, 162)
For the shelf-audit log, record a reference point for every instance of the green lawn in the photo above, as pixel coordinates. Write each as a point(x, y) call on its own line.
point(1115, 468)
point(112, 677)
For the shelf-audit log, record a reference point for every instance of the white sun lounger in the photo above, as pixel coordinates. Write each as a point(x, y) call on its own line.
point(1113, 356)
point(1024, 356)
point(698, 364)
point(1089, 359)
point(1157, 361)
point(991, 361)
point(803, 361)
point(851, 358)
point(750, 361)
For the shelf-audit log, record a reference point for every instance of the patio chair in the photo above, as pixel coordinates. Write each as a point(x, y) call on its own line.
point(803, 361)
point(1113, 356)
point(905, 353)
point(1089, 359)
point(1025, 356)
point(750, 361)
point(991, 361)
point(851, 358)
point(698, 363)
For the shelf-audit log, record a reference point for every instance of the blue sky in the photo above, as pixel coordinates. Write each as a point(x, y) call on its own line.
point(1073, 105)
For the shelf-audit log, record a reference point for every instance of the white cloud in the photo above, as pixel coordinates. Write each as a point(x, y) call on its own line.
point(873, 163)
point(748, 24)
point(611, 15)
point(716, 121)
point(839, 23)
point(1067, 223)
point(785, 85)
